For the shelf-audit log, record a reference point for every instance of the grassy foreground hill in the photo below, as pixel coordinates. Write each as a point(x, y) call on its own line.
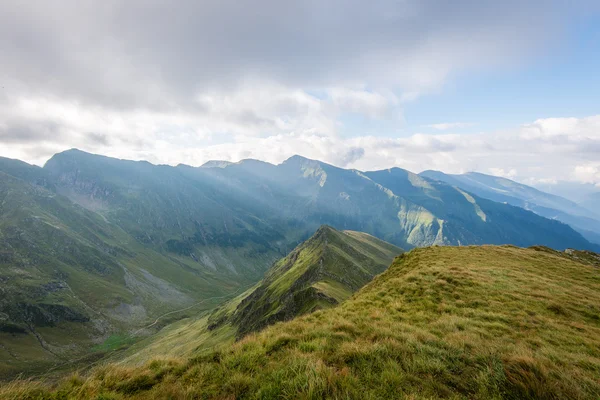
point(442, 322)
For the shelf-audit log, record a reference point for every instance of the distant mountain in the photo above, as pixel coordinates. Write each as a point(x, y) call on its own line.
point(253, 208)
point(574, 191)
point(592, 202)
point(216, 164)
point(584, 219)
point(181, 211)
point(394, 205)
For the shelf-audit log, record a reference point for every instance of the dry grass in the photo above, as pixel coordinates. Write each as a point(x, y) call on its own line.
point(442, 322)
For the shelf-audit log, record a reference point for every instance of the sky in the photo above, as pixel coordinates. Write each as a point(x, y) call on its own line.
point(506, 88)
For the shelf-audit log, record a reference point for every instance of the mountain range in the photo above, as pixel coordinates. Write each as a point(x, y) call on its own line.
point(583, 216)
point(94, 248)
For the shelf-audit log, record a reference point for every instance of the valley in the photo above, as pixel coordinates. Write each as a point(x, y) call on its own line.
point(117, 262)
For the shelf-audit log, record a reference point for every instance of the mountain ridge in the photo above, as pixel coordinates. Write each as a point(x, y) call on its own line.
point(505, 190)
point(310, 278)
point(321, 272)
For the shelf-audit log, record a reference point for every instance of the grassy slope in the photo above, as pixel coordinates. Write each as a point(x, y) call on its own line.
point(468, 322)
point(184, 338)
point(68, 279)
point(321, 272)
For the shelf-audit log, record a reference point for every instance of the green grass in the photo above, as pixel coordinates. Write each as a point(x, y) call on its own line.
point(443, 322)
point(56, 253)
point(133, 241)
point(355, 253)
point(181, 339)
point(321, 272)
point(114, 342)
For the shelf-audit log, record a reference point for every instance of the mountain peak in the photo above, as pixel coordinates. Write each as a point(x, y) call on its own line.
point(216, 164)
point(319, 273)
point(298, 159)
point(325, 229)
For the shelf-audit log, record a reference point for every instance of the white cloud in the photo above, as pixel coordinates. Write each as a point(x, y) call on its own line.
point(215, 79)
point(501, 172)
point(364, 102)
point(504, 153)
point(450, 125)
point(35, 128)
point(588, 173)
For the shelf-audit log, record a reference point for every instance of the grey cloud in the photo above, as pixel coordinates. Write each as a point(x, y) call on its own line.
point(98, 138)
point(248, 117)
point(130, 76)
point(352, 155)
point(159, 54)
point(29, 132)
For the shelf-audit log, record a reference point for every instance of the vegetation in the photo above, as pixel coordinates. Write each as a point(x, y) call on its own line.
point(442, 322)
point(320, 273)
point(92, 246)
point(69, 279)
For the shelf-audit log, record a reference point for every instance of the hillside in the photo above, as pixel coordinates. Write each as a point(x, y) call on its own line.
point(442, 322)
point(320, 273)
point(177, 210)
point(93, 249)
point(70, 280)
point(584, 220)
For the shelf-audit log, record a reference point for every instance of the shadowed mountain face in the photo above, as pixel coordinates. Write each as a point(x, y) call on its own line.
point(92, 246)
point(583, 217)
point(396, 205)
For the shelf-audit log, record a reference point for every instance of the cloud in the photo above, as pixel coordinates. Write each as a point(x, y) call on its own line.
point(371, 104)
point(501, 172)
point(158, 56)
point(503, 153)
point(450, 125)
point(588, 173)
point(351, 156)
point(511, 153)
point(217, 79)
